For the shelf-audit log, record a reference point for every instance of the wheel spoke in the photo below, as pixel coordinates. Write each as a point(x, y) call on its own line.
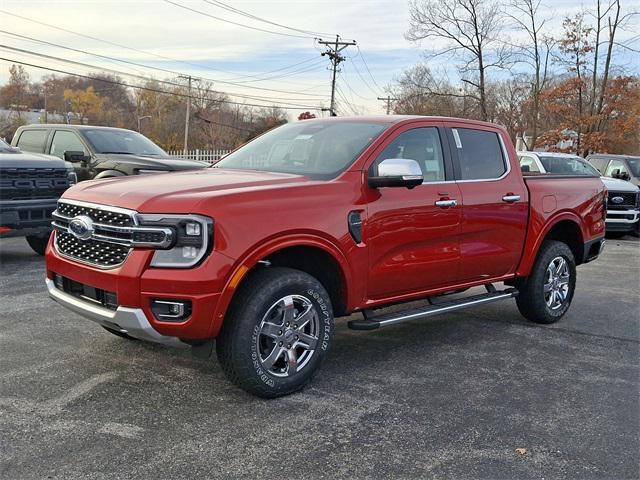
point(562, 266)
point(288, 309)
point(547, 287)
point(271, 330)
point(292, 361)
point(305, 318)
point(308, 342)
point(273, 357)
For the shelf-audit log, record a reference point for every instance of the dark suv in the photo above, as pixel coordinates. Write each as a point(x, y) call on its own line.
point(99, 152)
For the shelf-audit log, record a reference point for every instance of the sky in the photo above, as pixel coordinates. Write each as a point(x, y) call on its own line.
point(164, 35)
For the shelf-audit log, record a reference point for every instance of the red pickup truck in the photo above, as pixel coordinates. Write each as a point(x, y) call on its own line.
point(320, 219)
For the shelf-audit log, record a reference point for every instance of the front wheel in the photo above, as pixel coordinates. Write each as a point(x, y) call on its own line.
point(38, 243)
point(277, 333)
point(546, 295)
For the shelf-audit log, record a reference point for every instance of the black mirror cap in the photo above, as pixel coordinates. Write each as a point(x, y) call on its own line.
point(76, 156)
point(407, 181)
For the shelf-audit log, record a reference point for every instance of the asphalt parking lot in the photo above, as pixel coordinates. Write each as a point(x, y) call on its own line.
point(451, 397)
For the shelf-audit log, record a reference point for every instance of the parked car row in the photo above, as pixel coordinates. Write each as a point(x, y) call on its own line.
point(623, 205)
point(46, 159)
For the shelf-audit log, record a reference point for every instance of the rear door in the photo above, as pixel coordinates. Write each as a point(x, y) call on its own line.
point(413, 242)
point(495, 205)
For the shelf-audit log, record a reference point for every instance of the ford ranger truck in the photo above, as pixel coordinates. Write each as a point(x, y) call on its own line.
point(321, 219)
point(30, 185)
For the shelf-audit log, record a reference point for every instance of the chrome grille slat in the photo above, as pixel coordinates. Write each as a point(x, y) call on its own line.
point(99, 215)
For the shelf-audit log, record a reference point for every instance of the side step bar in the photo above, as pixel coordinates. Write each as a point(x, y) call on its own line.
point(378, 321)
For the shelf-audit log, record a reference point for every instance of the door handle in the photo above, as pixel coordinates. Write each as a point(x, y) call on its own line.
point(511, 198)
point(446, 203)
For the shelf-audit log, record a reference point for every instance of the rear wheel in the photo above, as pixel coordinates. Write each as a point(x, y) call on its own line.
point(277, 333)
point(546, 295)
point(38, 243)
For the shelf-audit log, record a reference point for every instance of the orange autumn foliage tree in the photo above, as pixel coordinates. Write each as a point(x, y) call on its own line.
point(613, 130)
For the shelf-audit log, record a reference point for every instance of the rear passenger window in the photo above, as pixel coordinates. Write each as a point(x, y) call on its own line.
point(32, 141)
point(479, 153)
point(423, 146)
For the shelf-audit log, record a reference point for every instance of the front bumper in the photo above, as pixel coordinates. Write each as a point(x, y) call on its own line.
point(132, 321)
point(26, 217)
point(622, 220)
point(136, 285)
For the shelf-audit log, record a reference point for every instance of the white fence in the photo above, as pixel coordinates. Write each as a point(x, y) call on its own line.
point(211, 156)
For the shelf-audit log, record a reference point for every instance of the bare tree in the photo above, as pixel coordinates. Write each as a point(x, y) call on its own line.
point(471, 31)
point(535, 51)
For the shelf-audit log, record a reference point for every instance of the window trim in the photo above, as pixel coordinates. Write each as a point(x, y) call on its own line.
point(44, 144)
point(456, 159)
point(447, 159)
point(87, 150)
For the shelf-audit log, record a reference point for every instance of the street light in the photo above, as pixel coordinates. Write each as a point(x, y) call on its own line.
point(142, 118)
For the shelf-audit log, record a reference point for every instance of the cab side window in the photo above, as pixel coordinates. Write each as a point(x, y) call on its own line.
point(64, 141)
point(615, 166)
point(479, 154)
point(422, 145)
point(528, 164)
point(32, 140)
point(598, 163)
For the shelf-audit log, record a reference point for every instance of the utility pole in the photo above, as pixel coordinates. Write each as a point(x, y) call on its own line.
point(186, 120)
point(388, 99)
point(333, 52)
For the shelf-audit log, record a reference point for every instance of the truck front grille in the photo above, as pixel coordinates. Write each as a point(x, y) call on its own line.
point(628, 200)
point(98, 215)
point(98, 253)
point(32, 183)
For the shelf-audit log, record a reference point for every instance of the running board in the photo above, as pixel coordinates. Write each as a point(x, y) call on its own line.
point(374, 322)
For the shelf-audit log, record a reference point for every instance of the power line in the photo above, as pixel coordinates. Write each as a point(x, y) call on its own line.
point(255, 17)
point(237, 23)
point(367, 67)
point(139, 77)
point(388, 99)
point(226, 82)
point(172, 72)
point(149, 89)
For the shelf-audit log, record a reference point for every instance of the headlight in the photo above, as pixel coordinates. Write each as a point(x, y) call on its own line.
point(192, 239)
point(150, 172)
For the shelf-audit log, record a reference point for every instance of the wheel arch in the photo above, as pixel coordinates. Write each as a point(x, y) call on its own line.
point(109, 174)
point(566, 227)
point(312, 254)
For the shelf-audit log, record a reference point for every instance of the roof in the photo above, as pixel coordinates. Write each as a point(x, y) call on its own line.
point(611, 155)
point(70, 126)
point(551, 154)
point(394, 119)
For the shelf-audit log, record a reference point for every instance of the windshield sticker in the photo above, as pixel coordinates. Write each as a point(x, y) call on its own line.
point(456, 137)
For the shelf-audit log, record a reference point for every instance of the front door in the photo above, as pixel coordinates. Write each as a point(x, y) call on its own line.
point(413, 242)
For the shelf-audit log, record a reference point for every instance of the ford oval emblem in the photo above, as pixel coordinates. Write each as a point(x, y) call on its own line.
point(617, 200)
point(81, 227)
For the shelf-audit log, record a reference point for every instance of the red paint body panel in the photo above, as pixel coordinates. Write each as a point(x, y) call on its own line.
point(410, 248)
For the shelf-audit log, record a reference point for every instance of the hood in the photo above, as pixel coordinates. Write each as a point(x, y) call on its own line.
point(618, 185)
point(159, 163)
point(20, 159)
point(178, 192)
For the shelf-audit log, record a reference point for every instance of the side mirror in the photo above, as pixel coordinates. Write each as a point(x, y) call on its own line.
point(76, 156)
point(397, 172)
point(525, 168)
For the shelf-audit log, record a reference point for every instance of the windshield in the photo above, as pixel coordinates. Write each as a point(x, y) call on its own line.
point(634, 166)
point(122, 141)
point(318, 149)
point(567, 166)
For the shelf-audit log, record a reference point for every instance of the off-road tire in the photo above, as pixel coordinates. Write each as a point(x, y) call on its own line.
point(531, 298)
point(37, 243)
point(238, 344)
